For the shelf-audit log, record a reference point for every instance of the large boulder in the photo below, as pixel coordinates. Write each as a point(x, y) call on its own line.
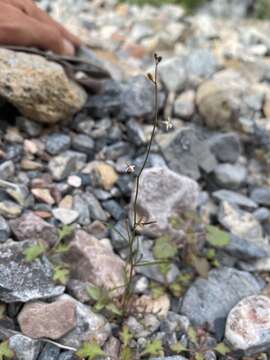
point(38, 88)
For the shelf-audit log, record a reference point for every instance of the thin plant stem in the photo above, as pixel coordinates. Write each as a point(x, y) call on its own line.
point(132, 258)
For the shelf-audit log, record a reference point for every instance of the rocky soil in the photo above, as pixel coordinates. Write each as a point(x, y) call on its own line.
point(64, 152)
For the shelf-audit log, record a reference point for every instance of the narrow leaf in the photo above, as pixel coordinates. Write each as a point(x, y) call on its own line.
point(217, 237)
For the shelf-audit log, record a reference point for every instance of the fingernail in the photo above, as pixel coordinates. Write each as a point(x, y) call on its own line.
point(69, 49)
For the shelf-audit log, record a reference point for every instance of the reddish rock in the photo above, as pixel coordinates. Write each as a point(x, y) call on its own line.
point(53, 320)
point(95, 262)
point(29, 226)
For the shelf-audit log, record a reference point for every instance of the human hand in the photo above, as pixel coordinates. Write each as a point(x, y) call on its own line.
point(22, 23)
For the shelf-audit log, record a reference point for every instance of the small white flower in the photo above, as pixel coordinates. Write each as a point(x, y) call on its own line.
point(130, 168)
point(168, 124)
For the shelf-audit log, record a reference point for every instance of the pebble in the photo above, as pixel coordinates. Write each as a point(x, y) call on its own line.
point(7, 170)
point(184, 105)
point(24, 347)
point(226, 147)
point(57, 143)
point(30, 127)
point(235, 198)
point(65, 216)
point(261, 196)
point(83, 143)
point(114, 209)
point(49, 352)
point(74, 181)
point(230, 176)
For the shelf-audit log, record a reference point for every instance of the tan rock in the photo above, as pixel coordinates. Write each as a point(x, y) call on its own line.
point(38, 88)
point(159, 307)
point(103, 174)
point(92, 261)
point(50, 320)
point(43, 195)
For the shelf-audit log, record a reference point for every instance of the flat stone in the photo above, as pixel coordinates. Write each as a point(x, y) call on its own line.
point(234, 198)
point(66, 216)
point(210, 300)
point(186, 153)
point(230, 176)
point(24, 347)
point(94, 262)
point(90, 326)
point(21, 281)
point(50, 320)
point(38, 88)
point(248, 324)
point(164, 194)
point(30, 226)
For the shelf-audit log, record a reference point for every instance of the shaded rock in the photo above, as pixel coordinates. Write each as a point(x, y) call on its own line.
point(230, 176)
point(30, 226)
point(92, 261)
point(4, 230)
point(49, 320)
point(57, 143)
point(95, 209)
point(210, 300)
point(116, 211)
point(30, 127)
point(119, 235)
point(261, 196)
point(24, 347)
point(49, 352)
point(39, 88)
point(81, 207)
point(226, 147)
point(163, 195)
point(248, 325)
point(234, 198)
point(262, 214)
point(23, 281)
point(135, 132)
point(67, 355)
point(187, 153)
point(10, 209)
point(83, 143)
point(89, 326)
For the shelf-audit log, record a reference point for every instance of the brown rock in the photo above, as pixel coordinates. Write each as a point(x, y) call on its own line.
point(53, 320)
point(39, 88)
point(96, 263)
point(30, 226)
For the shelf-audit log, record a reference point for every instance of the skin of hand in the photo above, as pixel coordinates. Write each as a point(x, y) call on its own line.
point(22, 23)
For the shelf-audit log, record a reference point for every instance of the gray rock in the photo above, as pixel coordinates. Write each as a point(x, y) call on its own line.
point(90, 326)
point(67, 355)
point(95, 209)
point(173, 74)
point(262, 214)
point(7, 170)
point(226, 147)
point(135, 133)
point(66, 216)
point(138, 98)
point(80, 205)
point(30, 127)
point(247, 250)
point(200, 64)
point(10, 209)
point(116, 211)
point(168, 196)
point(261, 196)
point(119, 235)
point(23, 281)
point(24, 347)
point(49, 352)
point(234, 198)
point(210, 300)
point(186, 153)
point(63, 165)
point(30, 226)
point(230, 176)
point(57, 143)
point(4, 230)
point(83, 143)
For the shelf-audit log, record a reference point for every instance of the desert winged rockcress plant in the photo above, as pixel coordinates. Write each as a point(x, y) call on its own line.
point(133, 260)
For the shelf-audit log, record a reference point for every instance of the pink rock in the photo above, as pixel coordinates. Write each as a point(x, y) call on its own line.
point(248, 324)
point(95, 262)
point(50, 320)
point(29, 226)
